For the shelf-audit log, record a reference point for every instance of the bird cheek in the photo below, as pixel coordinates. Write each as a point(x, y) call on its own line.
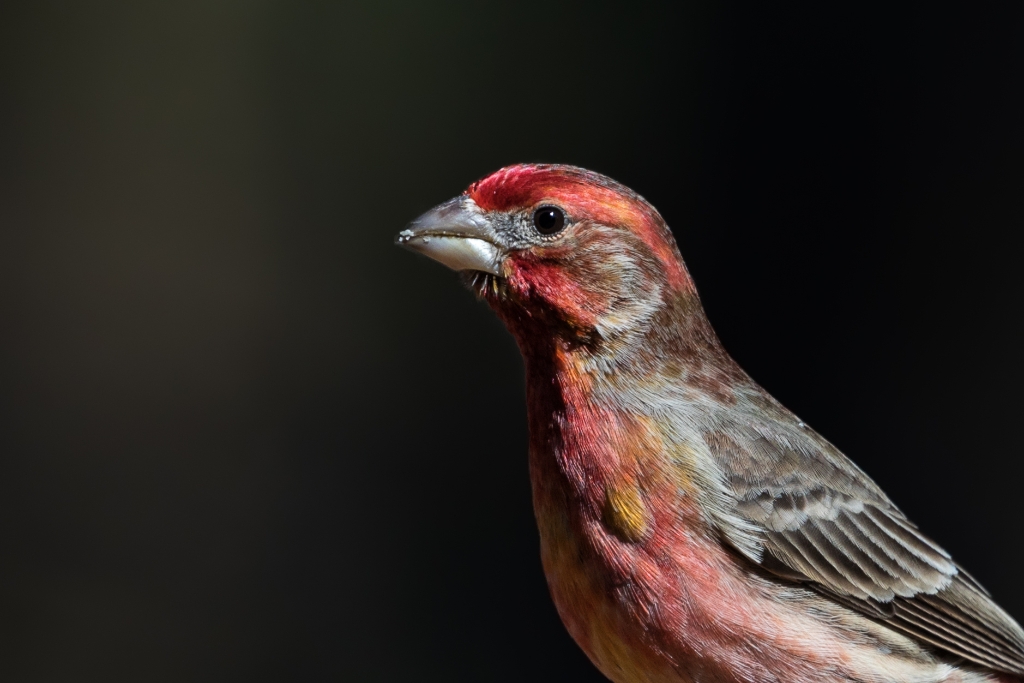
point(557, 288)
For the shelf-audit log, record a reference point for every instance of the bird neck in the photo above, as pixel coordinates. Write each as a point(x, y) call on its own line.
point(672, 338)
point(588, 400)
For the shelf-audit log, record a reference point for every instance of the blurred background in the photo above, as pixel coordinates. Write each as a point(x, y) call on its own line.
point(243, 437)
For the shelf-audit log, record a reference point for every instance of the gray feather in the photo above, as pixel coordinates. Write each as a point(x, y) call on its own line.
point(824, 522)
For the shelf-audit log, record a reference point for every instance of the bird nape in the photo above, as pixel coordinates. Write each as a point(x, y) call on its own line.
point(692, 528)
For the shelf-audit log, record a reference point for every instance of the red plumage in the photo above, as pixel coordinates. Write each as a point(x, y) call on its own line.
point(692, 528)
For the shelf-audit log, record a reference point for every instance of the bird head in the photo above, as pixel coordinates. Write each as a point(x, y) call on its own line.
point(557, 251)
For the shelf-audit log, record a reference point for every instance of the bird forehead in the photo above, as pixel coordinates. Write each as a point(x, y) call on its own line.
point(583, 193)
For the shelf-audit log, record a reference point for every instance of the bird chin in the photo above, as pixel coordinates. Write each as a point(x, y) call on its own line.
point(484, 285)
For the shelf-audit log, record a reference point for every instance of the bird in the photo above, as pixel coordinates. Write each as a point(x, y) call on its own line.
point(692, 529)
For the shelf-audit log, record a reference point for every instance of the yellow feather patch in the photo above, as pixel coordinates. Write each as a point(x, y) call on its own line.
point(625, 513)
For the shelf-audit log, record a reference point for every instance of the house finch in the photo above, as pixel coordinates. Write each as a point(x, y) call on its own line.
point(691, 527)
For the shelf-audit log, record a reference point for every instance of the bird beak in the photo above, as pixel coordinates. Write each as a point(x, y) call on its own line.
point(456, 234)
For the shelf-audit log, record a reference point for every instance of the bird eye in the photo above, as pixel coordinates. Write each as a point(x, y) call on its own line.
point(548, 220)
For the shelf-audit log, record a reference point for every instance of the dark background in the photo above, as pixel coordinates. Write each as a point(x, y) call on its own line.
point(245, 438)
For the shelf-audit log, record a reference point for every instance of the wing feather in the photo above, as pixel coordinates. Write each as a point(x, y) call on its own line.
point(825, 522)
point(890, 572)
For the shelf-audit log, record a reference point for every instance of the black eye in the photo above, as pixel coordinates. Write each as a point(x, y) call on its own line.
point(548, 220)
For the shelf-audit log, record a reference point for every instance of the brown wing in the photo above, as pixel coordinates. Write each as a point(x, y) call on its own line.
point(825, 522)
